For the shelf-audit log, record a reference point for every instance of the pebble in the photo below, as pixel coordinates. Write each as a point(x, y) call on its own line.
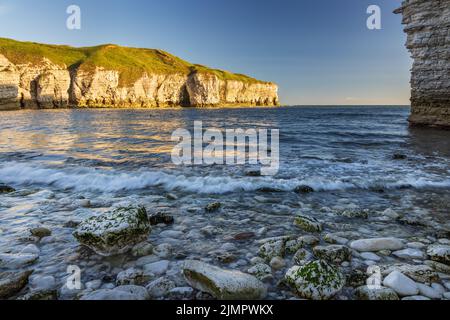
point(156, 268)
point(370, 256)
point(277, 263)
point(410, 253)
point(377, 244)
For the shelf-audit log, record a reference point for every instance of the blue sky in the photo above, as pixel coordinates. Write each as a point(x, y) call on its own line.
point(318, 51)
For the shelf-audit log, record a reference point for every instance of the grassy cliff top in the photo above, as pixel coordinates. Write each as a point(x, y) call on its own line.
point(131, 63)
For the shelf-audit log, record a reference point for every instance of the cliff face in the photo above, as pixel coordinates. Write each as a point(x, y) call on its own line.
point(35, 81)
point(428, 29)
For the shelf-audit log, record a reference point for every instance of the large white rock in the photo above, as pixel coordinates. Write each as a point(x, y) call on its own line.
point(377, 244)
point(401, 284)
point(223, 284)
point(114, 232)
point(316, 280)
point(129, 292)
point(429, 292)
point(375, 293)
point(410, 253)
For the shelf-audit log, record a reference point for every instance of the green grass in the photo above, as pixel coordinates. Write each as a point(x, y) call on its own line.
point(131, 63)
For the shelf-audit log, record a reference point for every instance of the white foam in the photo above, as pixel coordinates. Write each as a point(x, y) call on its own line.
point(101, 180)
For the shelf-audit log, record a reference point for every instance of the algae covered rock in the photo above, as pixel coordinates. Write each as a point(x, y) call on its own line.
point(114, 232)
point(308, 224)
point(333, 253)
point(316, 280)
point(223, 284)
point(272, 249)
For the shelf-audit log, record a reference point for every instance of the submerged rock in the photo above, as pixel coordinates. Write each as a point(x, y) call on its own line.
point(114, 232)
point(303, 189)
point(439, 253)
point(161, 217)
point(132, 276)
point(6, 189)
point(308, 224)
point(17, 260)
point(212, 207)
point(12, 282)
point(375, 293)
point(40, 232)
point(223, 284)
point(316, 280)
point(377, 244)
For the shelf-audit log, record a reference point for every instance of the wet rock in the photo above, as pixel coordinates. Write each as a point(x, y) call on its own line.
point(157, 268)
point(161, 218)
point(370, 256)
point(439, 253)
point(302, 256)
point(30, 249)
point(6, 189)
point(94, 284)
point(226, 257)
point(171, 196)
point(398, 156)
point(304, 189)
point(12, 282)
point(181, 293)
point(132, 276)
point(261, 271)
point(357, 278)
point(223, 284)
point(419, 273)
point(277, 263)
point(292, 246)
point(71, 224)
point(269, 190)
point(114, 232)
point(429, 292)
point(42, 283)
point(355, 213)
point(42, 295)
point(390, 214)
point(213, 207)
point(308, 224)
point(129, 292)
point(243, 236)
point(17, 260)
point(410, 253)
point(142, 249)
point(40, 232)
point(415, 298)
point(333, 253)
point(377, 244)
point(439, 267)
point(272, 249)
point(375, 293)
point(163, 250)
point(401, 284)
point(160, 287)
point(333, 239)
point(252, 173)
point(316, 280)
point(308, 240)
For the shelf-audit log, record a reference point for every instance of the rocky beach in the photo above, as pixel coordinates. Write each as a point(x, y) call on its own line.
point(369, 225)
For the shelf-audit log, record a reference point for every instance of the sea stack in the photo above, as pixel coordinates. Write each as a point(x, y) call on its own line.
point(428, 28)
point(40, 76)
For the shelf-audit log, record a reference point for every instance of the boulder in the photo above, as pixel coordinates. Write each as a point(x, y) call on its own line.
point(223, 284)
point(401, 284)
point(114, 232)
point(377, 244)
point(317, 280)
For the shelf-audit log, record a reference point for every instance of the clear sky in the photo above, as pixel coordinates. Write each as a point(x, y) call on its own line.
point(317, 51)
